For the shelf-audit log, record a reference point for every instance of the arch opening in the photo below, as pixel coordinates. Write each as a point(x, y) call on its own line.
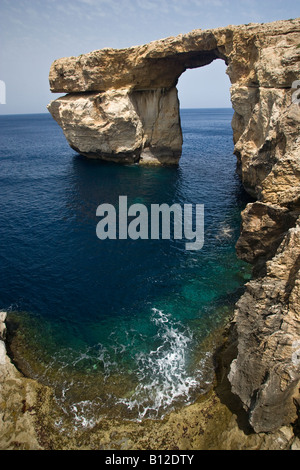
point(205, 87)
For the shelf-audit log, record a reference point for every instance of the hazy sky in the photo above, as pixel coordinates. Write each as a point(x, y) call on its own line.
point(33, 33)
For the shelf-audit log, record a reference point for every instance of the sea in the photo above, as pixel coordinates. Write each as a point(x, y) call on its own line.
point(117, 327)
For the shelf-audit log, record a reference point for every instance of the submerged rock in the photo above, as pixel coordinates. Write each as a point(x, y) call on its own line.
point(31, 420)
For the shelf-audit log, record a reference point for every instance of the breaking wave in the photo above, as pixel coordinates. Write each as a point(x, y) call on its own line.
point(160, 378)
point(162, 373)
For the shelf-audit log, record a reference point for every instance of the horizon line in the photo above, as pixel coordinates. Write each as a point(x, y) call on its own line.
point(47, 113)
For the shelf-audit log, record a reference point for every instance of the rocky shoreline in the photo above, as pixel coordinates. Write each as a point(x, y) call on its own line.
point(31, 420)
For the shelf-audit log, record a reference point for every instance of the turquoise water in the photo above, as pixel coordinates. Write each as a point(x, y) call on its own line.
point(116, 326)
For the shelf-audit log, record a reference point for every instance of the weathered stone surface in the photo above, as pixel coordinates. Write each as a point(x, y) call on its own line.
point(18, 403)
point(266, 133)
point(31, 420)
point(256, 55)
point(122, 126)
point(264, 226)
point(266, 373)
point(263, 62)
point(2, 326)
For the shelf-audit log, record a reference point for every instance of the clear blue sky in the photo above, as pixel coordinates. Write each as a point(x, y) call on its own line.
point(33, 33)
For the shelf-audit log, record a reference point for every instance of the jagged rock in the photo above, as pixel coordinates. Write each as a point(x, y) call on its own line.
point(18, 404)
point(2, 326)
point(266, 373)
point(264, 227)
point(263, 62)
point(122, 126)
point(257, 54)
point(266, 134)
point(30, 420)
point(296, 444)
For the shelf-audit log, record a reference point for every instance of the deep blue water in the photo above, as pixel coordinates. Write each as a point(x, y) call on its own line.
point(127, 316)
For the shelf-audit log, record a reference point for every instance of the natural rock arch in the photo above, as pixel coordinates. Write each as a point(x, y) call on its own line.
point(130, 110)
point(122, 105)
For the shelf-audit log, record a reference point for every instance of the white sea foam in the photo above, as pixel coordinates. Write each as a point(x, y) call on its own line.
point(162, 373)
point(82, 415)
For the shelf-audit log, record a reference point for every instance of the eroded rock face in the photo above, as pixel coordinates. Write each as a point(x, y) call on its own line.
point(266, 373)
point(263, 62)
point(122, 105)
point(18, 397)
point(122, 126)
point(264, 227)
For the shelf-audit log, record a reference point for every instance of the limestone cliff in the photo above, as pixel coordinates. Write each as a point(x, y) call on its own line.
point(121, 125)
point(266, 373)
point(18, 399)
point(122, 105)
